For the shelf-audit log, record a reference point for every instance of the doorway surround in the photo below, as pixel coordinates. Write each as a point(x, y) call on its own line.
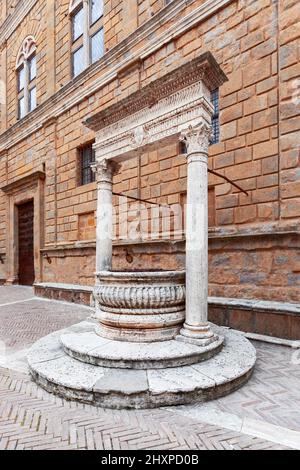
point(20, 191)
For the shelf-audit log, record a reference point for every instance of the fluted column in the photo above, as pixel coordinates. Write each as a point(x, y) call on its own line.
point(104, 171)
point(196, 328)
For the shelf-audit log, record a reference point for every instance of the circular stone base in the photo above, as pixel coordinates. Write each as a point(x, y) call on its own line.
point(67, 377)
point(141, 335)
point(92, 349)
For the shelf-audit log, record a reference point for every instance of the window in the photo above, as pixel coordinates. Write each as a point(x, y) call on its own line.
point(215, 119)
point(97, 46)
point(87, 157)
point(26, 77)
point(78, 62)
point(87, 33)
point(96, 10)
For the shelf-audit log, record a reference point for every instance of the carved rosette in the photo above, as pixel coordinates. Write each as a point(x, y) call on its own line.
point(140, 306)
point(197, 138)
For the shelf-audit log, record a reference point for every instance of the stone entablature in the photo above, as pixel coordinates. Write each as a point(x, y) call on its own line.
point(159, 112)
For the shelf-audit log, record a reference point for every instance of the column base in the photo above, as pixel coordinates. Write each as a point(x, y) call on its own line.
point(198, 335)
point(12, 281)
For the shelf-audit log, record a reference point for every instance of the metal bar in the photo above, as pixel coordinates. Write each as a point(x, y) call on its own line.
point(141, 200)
point(229, 181)
point(168, 206)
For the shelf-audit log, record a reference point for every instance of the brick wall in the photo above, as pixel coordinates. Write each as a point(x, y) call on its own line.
point(289, 94)
point(148, 8)
point(257, 45)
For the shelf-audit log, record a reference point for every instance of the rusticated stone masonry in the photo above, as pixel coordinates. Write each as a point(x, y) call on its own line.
point(254, 239)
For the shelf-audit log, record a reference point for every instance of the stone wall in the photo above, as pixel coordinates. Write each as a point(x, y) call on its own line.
point(257, 45)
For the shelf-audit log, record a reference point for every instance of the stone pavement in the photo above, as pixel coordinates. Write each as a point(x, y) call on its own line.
point(265, 414)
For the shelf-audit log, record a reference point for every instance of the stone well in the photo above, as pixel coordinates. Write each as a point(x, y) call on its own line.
point(150, 342)
point(140, 306)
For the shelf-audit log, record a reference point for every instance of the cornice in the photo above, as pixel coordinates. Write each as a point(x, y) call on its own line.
point(111, 64)
point(13, 20)
point(23, 181)
point(203, 68)
point(220, 234)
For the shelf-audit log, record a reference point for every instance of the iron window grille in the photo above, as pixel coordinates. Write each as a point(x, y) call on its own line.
point(216, 117)
point(87, 157)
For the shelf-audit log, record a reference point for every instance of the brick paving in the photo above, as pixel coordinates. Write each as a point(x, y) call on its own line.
point(31, 418)
point(25, 322)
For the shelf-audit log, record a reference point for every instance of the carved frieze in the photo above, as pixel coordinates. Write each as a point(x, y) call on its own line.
point(165, 120)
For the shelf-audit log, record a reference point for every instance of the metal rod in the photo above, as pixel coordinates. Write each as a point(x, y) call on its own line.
point(141, 200)
point(229, 181)
point(168, 206)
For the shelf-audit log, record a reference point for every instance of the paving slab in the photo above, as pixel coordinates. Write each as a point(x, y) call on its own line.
point(271, 397)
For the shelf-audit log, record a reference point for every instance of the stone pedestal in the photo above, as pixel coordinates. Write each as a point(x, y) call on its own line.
point(79, 365)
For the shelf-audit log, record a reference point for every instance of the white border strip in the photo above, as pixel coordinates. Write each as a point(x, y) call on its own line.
point(210, 414)
point(18, 302)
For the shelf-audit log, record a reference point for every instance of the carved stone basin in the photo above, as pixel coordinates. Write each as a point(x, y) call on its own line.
point(140, 306)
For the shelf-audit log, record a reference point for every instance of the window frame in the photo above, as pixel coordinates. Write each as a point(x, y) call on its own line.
point(26, 54)
point(89, 31)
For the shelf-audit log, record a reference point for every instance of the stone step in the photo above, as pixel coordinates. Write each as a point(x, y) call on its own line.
point(90, 348)
point(108, 387)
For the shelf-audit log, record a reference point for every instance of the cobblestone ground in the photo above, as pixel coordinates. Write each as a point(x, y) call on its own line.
point(265, 414)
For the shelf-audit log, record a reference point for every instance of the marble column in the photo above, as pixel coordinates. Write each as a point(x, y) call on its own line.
point(104, 171)
point(196, 328)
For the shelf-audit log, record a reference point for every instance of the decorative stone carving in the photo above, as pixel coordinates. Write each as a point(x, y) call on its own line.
point(105, 170)
point(197, 138)
point(159, 112)
point(140, 306)
point(139, 136)
point(26, 50)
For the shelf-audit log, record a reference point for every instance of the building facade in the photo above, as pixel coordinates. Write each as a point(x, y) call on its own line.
point(62, 62)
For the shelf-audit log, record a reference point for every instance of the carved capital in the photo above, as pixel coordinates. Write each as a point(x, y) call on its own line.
point(197, 138)
point(105, 170)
